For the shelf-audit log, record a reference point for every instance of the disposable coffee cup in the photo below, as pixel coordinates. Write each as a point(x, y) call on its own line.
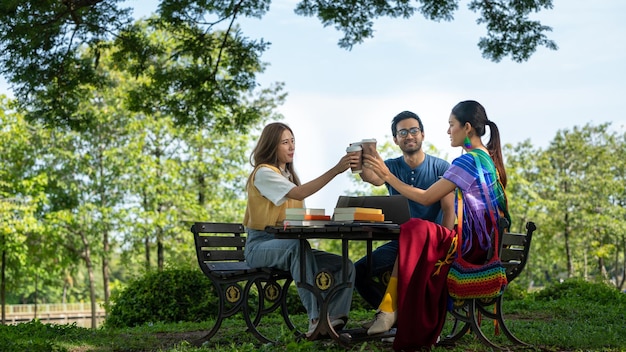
point(368, 145)
point(356, 148)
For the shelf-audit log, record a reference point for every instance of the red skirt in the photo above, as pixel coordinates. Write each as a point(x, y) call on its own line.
point(422, 287)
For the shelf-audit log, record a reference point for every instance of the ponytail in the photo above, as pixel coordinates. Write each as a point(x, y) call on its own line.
point(495, 151)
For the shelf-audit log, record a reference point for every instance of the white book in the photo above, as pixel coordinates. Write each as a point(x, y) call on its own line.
point(352, 210)
point(305, 211)
point(306, 217)
point(307, 223)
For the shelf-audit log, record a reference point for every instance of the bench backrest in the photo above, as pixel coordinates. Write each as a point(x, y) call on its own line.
point(220, 246)
point(514, 248)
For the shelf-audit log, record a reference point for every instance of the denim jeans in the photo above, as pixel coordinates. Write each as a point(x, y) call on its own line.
point(263, 250)
point(383, 259)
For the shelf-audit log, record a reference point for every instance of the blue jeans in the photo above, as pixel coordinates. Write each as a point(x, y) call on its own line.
point(383, 258)
point(263, 250)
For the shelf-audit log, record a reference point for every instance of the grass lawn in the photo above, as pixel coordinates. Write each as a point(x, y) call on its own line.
point(574, 317)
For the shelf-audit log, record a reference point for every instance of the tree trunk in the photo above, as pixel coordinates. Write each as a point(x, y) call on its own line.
point(105, 235)
point(36, 291)
point(146, 243)
point(585, 264)
point(160, 251)
point(602, 268)
point(201, 180)
point(568, 255)
point(623, 280)
point(90, 275)
point(3, 284)
point(105, 268)
point(146, 246)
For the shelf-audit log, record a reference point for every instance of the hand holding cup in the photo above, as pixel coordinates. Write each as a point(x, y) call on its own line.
point(356, 162)
point(375, 163)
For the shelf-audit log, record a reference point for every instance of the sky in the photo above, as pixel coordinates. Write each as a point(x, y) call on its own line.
point(337, 96)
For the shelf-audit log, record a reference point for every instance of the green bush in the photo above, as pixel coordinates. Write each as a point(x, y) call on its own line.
point(175, 295)
point(579, 289)
point(514, 291)
point(168, 296)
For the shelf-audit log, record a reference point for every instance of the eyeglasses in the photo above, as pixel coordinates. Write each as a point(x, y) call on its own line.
point(404, 132)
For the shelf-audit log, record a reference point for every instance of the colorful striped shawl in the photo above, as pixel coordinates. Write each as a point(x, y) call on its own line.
point(464, 174)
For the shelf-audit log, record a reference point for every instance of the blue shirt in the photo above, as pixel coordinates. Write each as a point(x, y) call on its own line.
point(423, 176)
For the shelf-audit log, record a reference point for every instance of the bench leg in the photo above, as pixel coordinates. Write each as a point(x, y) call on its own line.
point(499, 318)
point(475, 310)
point(505, 329)
point(284, 309)
point(259, 310)
point(466, 318)
point(222, 311)
point(459, 329)
point(272, 295)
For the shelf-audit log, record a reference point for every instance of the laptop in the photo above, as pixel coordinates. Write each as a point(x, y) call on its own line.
point(395, 207)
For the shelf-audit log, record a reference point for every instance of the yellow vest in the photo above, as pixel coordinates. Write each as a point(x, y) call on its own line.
point(260, 211)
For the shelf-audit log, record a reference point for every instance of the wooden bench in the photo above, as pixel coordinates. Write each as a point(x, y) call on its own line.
point(220, 252)
point(514, 248)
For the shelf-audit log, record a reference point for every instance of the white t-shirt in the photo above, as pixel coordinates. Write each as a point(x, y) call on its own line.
point(272, 185)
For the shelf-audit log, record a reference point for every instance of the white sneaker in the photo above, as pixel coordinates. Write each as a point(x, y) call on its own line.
point(337, 324)
point(383, 321)
point(368, 324)
point(390, 339)
point(312, 326)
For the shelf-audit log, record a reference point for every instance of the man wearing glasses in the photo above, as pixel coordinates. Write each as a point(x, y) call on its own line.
point(414, 168)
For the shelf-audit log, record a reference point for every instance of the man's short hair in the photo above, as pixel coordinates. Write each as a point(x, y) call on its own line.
point(403, 116)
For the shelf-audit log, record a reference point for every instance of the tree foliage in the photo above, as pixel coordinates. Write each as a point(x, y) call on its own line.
point(574, 192)
point(21, 198)
point(123, 187)
point(213, 64)
point(510, 31)
point(209, 71)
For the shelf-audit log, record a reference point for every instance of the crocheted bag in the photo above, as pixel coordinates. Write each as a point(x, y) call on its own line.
point(467, 280)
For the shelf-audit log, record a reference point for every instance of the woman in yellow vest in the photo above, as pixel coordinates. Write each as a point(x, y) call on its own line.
point(272, 187)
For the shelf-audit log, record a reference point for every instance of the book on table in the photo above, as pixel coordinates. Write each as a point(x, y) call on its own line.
point(305, 211)
point(307, 217)
point(358, 217)
point(296, 216)
point(306, 223)
point(360, 210)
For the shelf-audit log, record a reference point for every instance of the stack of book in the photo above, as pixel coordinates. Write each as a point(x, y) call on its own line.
point(306, 217)
point(358, 214)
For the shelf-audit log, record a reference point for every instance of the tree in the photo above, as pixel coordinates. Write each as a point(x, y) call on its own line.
point(509, 30)
point(21, 196)
point(579, 191)
point(523, 174)
point(189, 172)
point(94, 175)
point(619, 174)
point(42, 42)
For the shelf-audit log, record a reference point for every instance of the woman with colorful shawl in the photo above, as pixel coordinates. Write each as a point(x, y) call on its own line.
point(417, 295)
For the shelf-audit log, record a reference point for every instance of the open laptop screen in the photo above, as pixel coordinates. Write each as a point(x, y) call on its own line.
point(395, 208)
